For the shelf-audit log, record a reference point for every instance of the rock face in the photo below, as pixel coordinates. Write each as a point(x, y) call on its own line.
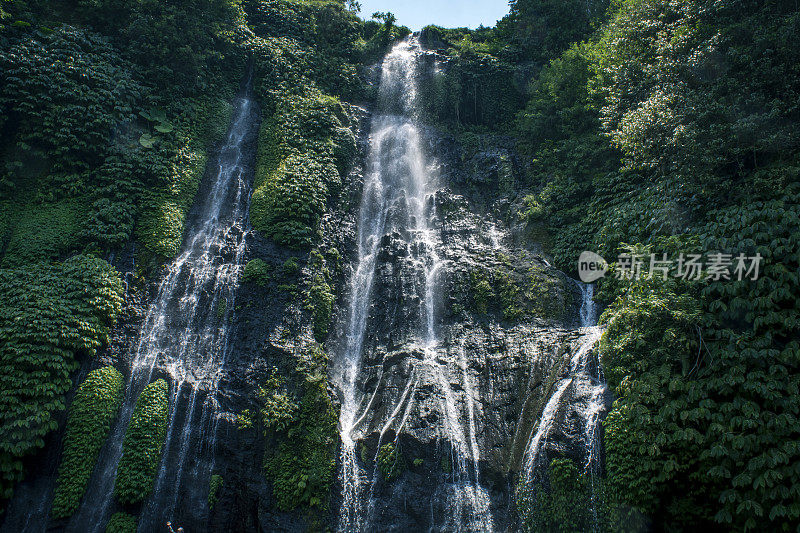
point(443, 428)
point(491, 375)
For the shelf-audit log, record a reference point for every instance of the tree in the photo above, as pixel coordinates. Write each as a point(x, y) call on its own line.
point(387, 18)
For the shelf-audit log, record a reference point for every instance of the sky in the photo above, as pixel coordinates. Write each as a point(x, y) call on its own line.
point(416, 14)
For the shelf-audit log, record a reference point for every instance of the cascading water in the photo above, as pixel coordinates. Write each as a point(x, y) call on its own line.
point(398, 197)
point(185, 336)
point(585, 383)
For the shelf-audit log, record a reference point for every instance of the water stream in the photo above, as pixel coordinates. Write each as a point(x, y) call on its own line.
point(583, 389)
point(398, 197)
point(184, 337)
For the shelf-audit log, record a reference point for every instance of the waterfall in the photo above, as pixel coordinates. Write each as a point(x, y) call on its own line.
point(185, 336)
point(584, 382)
point(398, 197)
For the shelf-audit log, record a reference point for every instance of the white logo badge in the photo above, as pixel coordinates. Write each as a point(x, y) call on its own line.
point(591, 267)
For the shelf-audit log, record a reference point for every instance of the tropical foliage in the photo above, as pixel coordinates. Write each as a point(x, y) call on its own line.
point(391, 463)
point(671, 127)
point(121, 523)
point(565, 501)
point(141, 449)
point(640, 126)
point(49, 315)
point(91, 413)
point(300, 421)
point(214, 486)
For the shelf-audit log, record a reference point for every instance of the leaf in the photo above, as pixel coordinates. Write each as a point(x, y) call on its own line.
point(164, 127)
point(147, 140)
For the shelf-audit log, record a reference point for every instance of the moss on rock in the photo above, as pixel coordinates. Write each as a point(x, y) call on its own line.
point(90, 416)
point(121, 523)
point(390, 462)
point(141, 449)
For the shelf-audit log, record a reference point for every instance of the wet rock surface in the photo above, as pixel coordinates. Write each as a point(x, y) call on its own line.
point(491, 374)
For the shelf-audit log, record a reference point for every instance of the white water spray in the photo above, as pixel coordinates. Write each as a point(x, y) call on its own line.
point(398, 196)
point(584, 381)
point(185, 333)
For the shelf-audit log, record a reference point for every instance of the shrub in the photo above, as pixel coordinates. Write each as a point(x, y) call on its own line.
point(482, 292)
point(289, 205)
point(564, 501)
point(66, 91)
point(121, 523)
point(141, 449)
point(182, 158)
point(302, 466)
point(90, 416)
point(296, 169)
point(43, 232)
point(652, 438)
point(390, 462)
point(319, 297)
point(278, 409)
point(290, 267)
point(214, 486)
point(48, 315)
point(257, 271)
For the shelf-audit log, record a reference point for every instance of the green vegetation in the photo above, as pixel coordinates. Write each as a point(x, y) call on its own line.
point(306, 55)
point(299, 416)
point(668, 130)
point(476, 90)
point(121, 523)
point(182, 161)
point(290, 267)
point(49, 315)
point(42, 232)
point(378, 34)
point(319, 297)
point(652, 439)
point(446, 464)
point(390, 462)
point(303, 465)
point(141, 449)
point(214, 486)
point(91, 413)
point(297, 166)
point(641, 126)
point(650, 126)
point(563, 500)
point(96, 141)
point(518, 292)
point(108, 113)
point(257, 271)
point(62, 94)
point(278, 409)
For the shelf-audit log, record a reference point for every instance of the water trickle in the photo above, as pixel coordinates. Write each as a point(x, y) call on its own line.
point(583, 389)
point(185, 335)
point(398, 198)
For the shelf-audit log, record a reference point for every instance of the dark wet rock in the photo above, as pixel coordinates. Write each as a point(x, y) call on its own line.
point(491, 373)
